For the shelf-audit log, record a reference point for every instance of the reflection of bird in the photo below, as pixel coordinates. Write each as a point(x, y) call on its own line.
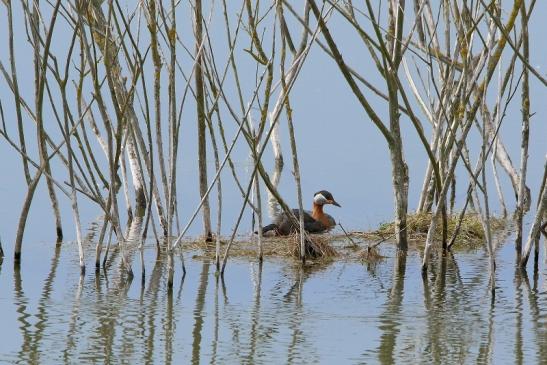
point(315, 221)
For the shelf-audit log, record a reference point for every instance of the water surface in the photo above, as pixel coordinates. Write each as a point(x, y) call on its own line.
point(344, 312)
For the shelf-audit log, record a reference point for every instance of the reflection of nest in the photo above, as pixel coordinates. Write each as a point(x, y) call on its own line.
point(370, 255)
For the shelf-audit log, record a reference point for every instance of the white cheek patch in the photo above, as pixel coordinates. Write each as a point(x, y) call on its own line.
point(319, 199)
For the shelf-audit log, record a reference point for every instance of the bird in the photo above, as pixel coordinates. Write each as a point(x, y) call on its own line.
point(315, 221)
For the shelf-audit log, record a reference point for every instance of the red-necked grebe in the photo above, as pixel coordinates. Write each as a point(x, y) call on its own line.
point(315, 221)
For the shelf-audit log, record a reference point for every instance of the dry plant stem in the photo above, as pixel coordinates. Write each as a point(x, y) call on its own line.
point(171, 190)
point(473, 180)
point(113, 151)
point(40, 64)
point(525, 108)
point(217, 176)
point(296, 167)
point(258, 167)
point(392, 135)
point(461, 216)
point(48, 139)
point(219, 197)
point(107, 251)
point(102, 33)
point(233, 65)
point(154, 44)
point(24, 213)
point(400, 177)
point(125, 185)
point(354, 244)
point(99, 245)
point(219, 183)
point(242, 210)
point(491, 66)
point(16, 91)
point(259, 215)
point(538, 219)
point(291, 77)
point(325, 48)
point(450, 95)
point(200, 102)
point(241, 125)
point(497, 182)
point(43, 158)
point(485, 220)
point(256, 187)
point(67, 136)
point(31, 188)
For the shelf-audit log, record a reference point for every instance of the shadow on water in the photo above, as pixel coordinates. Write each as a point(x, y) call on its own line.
point(277, 311)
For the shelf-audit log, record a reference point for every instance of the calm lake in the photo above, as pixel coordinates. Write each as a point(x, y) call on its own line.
point(344, 312)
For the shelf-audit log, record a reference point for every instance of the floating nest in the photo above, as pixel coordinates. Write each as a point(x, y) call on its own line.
point(316, 246)
point(471, 232)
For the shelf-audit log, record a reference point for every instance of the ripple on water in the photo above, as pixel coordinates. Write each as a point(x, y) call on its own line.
point(278, 313)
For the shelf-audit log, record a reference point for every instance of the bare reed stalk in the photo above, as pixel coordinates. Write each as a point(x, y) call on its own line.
point(217, 175)
point(485, 220)
point(522, 205)
point(200, 102)
point(293, 72)
point(40, 65)
point(256, 190)
point(538, 219)
point(73, 198)
point(40, 169)
point(391, 54)
point(16, 96)
point(171, 188)
point(40, 80)
point(296, 168)
point(114, 135)
point(219, 188)
point(470, 116)
point(152, 20)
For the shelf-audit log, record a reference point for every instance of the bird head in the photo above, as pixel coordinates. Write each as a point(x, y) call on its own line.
point(324, 197)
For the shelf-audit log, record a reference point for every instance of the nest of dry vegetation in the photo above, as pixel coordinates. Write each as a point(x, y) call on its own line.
point(316, 246)
point(471, 232)
point(323, 247)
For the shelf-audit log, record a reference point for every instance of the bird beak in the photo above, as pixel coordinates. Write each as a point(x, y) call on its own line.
point(333, 202)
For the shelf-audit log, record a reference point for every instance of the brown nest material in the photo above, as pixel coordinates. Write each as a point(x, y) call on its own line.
point(471, 232)
point(316, 246)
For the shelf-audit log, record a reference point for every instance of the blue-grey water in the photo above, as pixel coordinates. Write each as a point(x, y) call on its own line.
point(345, 311)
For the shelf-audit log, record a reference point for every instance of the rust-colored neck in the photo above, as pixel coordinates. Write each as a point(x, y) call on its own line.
point(318, 214)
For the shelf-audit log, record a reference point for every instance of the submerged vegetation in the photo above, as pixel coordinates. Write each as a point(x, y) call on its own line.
point(102, 120)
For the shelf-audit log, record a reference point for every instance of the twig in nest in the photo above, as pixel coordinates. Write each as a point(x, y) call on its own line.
point(315, 246)
point(369, 247)
point(347, 235)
